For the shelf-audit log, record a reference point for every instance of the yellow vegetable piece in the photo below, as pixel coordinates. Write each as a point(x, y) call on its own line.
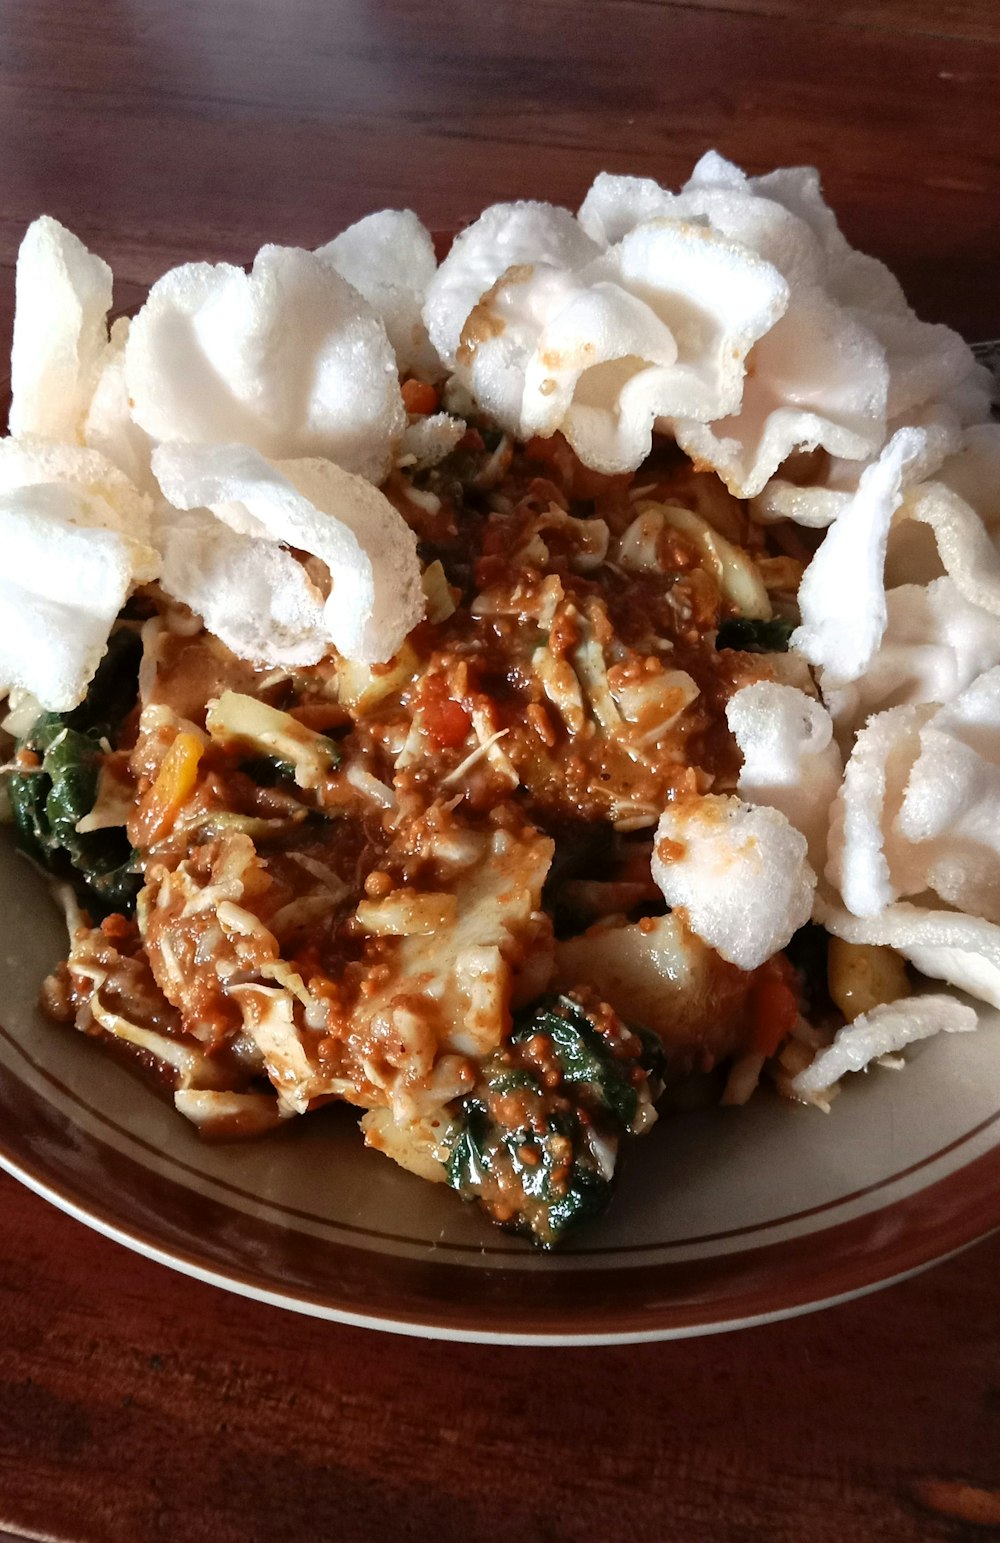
point(861, 976)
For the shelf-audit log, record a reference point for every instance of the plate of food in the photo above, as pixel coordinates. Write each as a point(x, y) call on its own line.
point(502, 766)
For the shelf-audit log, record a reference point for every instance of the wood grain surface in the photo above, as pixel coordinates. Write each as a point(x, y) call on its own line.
point(135, 1404)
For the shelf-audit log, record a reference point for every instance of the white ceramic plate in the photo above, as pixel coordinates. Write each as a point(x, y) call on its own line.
point(722, 1218)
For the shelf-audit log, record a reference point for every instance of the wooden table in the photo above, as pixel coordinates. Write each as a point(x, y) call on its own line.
point(135, 1404)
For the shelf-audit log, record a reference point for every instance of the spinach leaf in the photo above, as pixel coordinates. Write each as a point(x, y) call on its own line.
point(755, 637)
point(71, 763)
point(49, 801)
point(536, 1141)
point(114, 688)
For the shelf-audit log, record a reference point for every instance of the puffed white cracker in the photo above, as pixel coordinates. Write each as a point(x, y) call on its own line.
point(658, 327)
point(944, 945)
point(846, 309)
point(741, 875)
point(973, 473)
point(428, 439)
point(884, 1030)
point(57, 627)
point(817, 379)
point(30, 461)
point(717, 297)
point(714, 170)
point(934, 645)
point(815, 498)
point(854, 278)
point(288, 359)
point(109, 426)
point(63, 294)
point(249, 591)
point(314, 506)
point(952, 523)
point(599, 337)
point(389, 259)
point(504, 236)
point(791, 761)
point(967, 549)
point(950, 810)
point(616, 205)
point(927, 362)
point(68, 569)
point(760, 223)
point(869, 862)
point(813, 505)
point(842, 593)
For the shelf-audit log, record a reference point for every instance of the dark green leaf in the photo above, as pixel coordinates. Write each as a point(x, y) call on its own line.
point(115, 687)
point(71, 763)
point(114, 879)
point(267, 770)
point(49, 802)
point(585, 1058)
point(468, 1162)
point(755, 637)
point(585, 1197)
point(535, 1149)
point(27, 792)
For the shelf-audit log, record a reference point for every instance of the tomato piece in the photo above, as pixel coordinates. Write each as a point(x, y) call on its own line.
point(446, 722)
point(774, 1005)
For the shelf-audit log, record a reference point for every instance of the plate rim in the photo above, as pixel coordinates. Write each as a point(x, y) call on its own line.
point(763, 1284)
point(452, 1334)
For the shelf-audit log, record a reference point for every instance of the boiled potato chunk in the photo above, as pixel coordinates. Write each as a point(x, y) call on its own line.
point(657, 974)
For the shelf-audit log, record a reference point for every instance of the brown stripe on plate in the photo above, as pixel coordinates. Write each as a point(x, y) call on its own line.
point(195, 1233)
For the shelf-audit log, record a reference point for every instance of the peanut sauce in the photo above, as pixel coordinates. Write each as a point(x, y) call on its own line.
point(529, 738)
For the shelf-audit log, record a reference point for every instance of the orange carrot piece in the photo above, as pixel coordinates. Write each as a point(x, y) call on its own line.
point(175, 782)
